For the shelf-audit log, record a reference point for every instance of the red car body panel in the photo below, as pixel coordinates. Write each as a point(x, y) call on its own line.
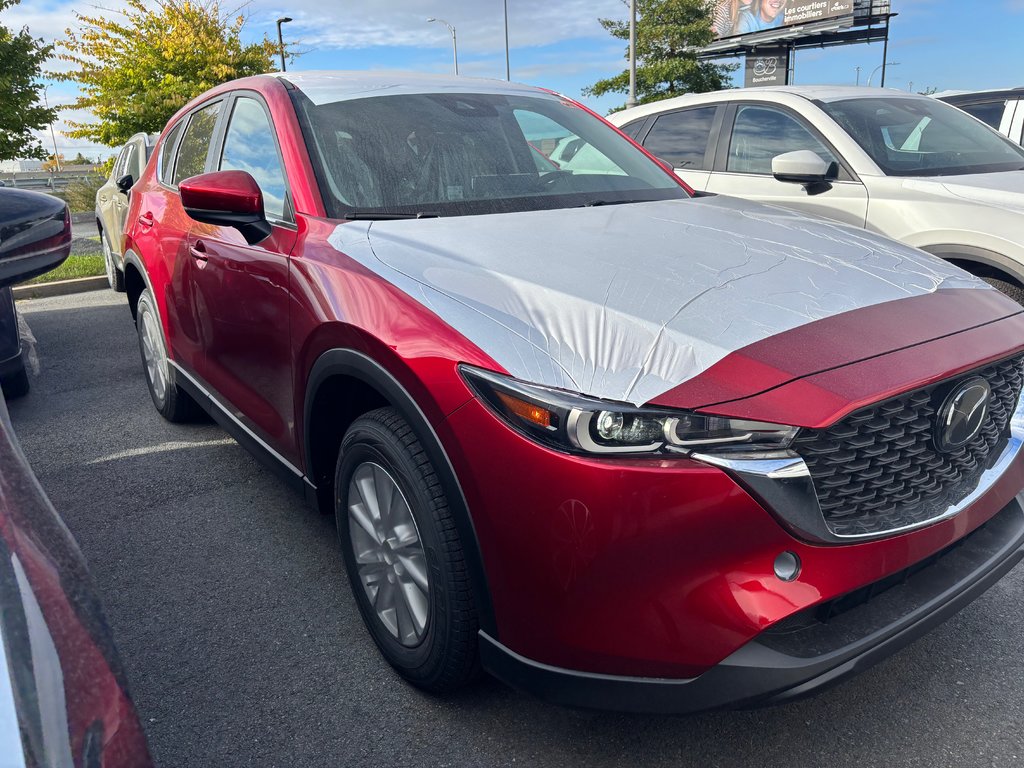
point(850, 337)
point(596, 564)
point(56, 631)
point(608, 565)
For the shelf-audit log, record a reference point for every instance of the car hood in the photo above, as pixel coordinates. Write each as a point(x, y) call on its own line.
point(1002, 190)
point(626, 302)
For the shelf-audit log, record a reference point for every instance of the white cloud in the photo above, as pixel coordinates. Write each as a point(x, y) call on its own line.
point(324, 25)
point(479, 25)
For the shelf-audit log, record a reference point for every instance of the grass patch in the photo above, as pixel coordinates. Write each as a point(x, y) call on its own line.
point(79, 265)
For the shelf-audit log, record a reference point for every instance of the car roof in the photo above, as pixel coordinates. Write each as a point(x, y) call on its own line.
point(825, 93)
point(966, 97)
point(328, 86)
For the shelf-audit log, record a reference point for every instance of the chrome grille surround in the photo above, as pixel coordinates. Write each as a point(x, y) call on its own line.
point(788, 483)
point(879, 470)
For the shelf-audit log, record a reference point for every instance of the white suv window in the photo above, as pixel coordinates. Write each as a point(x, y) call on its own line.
point(989, 112)
point(761, 133)
point(681, 138)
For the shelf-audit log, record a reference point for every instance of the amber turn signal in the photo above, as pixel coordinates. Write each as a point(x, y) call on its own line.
point(525, 410)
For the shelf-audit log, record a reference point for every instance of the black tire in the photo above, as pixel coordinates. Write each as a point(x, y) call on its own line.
point(1012, 290)
point(170, 400)
point(115, 277)
point(445, 658)
point(15, 384)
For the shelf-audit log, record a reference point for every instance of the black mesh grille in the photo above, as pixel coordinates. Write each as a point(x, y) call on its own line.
point(878, 470)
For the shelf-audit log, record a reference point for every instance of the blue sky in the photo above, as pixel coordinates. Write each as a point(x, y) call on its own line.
point(559, 44)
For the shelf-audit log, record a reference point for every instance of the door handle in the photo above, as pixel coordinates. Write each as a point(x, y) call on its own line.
point(146, 220)
point(198, 251)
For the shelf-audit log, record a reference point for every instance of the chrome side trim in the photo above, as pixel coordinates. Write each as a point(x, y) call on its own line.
point(235, 420)
point(785, 485)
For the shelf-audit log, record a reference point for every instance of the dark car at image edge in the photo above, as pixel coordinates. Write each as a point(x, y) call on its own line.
point(64, 697)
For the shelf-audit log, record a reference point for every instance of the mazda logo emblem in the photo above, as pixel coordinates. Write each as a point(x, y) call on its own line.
point(962, 414)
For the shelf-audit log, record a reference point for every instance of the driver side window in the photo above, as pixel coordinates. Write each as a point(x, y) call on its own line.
point(250, 146)
point(761, 133)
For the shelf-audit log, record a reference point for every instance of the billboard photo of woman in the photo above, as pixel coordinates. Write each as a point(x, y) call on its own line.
point(760, 15)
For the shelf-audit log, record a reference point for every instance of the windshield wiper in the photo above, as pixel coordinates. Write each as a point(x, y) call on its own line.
point(385, 216)
point(594, 203)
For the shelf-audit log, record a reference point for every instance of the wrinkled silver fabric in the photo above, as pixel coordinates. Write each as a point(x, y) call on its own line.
point(627, 302)
point(29, 346)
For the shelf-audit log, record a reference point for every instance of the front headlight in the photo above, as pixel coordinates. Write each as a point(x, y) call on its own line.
point(580, 424)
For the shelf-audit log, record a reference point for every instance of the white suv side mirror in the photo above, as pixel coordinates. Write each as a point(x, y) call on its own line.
point(803, 167)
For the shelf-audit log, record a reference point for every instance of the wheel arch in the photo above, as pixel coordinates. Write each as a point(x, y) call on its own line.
point(980, 262)
point(356, 381)
point(135, 280)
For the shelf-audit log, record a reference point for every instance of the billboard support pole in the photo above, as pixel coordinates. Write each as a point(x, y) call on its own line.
point(885, 50)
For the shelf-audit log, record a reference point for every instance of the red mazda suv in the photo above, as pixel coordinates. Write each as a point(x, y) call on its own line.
point(621, 445)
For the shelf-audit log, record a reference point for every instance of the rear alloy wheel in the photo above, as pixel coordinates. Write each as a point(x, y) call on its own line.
point(403, 554)
point(115, 277)
point(173, 403)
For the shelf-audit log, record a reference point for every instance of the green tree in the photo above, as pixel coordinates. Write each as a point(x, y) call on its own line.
point(668, 34)
point(21, 56)
point(136, 71)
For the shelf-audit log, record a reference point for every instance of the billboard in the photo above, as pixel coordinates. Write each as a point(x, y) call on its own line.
point(767, 66)
point(734, 18)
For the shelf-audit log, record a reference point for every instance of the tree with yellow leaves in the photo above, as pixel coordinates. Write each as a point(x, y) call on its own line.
point(139, 67)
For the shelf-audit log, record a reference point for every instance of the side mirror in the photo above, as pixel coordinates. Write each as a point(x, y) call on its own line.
point(803, 167)
point(35, 234)
point(227, 199)
point(125, 183)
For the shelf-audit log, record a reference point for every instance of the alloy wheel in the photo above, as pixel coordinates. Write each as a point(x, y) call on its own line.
point(389, 554)
point(153, 355)
point(108, 262)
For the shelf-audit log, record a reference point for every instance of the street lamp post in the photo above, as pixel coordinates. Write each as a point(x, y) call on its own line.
point(280, 39)
point(455, 42)
point(858, 75)
point(508, 69)
point(880, 66)
point(53, 137)
point(631, 101)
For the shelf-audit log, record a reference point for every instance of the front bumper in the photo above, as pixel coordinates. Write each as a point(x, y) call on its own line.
point(802, 655)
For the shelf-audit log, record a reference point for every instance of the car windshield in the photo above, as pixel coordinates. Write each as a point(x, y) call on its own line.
point(460, 154)
point(923, 137)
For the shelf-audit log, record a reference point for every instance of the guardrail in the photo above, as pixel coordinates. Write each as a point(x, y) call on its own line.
point(55, 182)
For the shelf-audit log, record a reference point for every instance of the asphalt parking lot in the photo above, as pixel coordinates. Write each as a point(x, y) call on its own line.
point(243, 646)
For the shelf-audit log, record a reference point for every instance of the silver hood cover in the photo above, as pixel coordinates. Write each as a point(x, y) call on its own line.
point(625, 302)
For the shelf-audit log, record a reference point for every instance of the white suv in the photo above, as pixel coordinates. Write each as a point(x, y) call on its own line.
point(907, 166)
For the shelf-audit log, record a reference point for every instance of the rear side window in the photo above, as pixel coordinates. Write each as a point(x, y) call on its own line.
point(682, 137)
point(166, 159)
point(122, 162)
point(250, 146)
point(762, 133)
point(989, 112)
point(633, 128)
point(131, 162)
point(195, 144)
